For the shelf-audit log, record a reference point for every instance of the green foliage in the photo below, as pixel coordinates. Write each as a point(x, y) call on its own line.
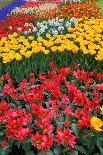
point(39, 63)
point(100, 144)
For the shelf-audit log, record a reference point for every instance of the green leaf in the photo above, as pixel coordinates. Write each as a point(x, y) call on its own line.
point(1, 133)
point(26, 146)
point(10, 142)
point(75, 129)
point(49, 153)
point(91, 142)
point(1, 95)
point(58, 123)
point(73, 152)
point(5, 150)
point(57, 151)
point(19, 76)
point(30, 153)
point(81, 149)
point(100, 145)
point(18, 144)
point(82, 88)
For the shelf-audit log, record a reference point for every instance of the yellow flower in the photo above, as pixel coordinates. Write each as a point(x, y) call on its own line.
point(46, 52)
point(20, 39)
point(101, 43)
point(92, 52)
point(85, 18)
point(40, 39)
point(86, 37)
point(36, 50)
point(48, 36)
point(73, 36)
point(6, 60)
point(70, 30)
point(1, 43)
point(96, 123)
point(30, 38)
point(68, 47)
point(54, 48)
point(22, 52)
point(58, 41)
point(97, 39)
point(3, 39)
point(75, 49)
point(79, 39)
point(80, 19)
point(27, 44)
point(15, 34)
point(45, 43)
point(17, 56)
point(10, 36)
point(34, 43)
point(60, 49)
point(99, 56)
point(28, 54)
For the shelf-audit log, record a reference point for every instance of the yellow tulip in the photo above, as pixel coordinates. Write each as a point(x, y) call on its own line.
point(28, 54)
point(54, 48)
point(60, 49)
point(96, 123)
point(30, 38)
point(46, 52)
point(17, 56)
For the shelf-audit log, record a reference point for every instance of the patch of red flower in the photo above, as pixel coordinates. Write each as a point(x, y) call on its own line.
point(44, 109)
point(18, 24)
point(72, 10)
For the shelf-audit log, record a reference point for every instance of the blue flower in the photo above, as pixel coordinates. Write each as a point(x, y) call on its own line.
point(7, 9)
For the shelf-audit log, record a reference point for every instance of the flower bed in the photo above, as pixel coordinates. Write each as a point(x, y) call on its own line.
point(58, 112)
point(83, 43)
point(33, 7)
point(14, 24)
point(68, 10)
point(84, 40)
point(51, 79)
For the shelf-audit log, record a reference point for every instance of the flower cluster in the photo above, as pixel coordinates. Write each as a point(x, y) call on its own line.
point(45, 109)
point(46, 112)
point(39, 9)
point(60, 1)
point(52, 27)
point(49, 10)
point(89, 36)
point(18, 24)
point(85, 37)
point(72, 10)
point(96, 124)
point(25, 24)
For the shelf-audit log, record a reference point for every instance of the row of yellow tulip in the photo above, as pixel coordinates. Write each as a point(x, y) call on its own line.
point(87, 37)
